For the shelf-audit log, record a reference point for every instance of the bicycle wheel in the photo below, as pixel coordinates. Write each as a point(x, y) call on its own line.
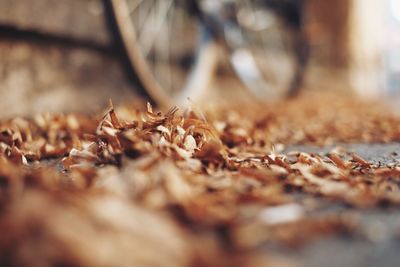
point(170, 52)
point(269, 56)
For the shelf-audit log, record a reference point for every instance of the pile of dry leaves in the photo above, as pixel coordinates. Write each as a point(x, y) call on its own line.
point(144, 188)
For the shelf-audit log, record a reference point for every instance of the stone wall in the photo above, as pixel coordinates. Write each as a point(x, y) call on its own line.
point(57, 55)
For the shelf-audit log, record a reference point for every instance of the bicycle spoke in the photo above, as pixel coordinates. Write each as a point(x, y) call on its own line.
point(166, 40)
point(134, 5)
point(151, 30)
point(142, 14)
point(179, 46)
point(162, 67)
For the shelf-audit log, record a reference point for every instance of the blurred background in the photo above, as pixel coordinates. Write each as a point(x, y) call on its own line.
point(58, 55)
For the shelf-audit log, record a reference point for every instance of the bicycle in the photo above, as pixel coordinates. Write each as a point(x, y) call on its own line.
point(172, 45)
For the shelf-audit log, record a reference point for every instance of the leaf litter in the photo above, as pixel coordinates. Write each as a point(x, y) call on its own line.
point(141, 187)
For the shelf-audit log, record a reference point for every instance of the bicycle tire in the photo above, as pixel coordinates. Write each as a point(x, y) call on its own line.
point(263, 73)
point(197, 75)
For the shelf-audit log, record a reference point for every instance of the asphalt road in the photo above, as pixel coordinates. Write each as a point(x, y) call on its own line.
point(377, 239)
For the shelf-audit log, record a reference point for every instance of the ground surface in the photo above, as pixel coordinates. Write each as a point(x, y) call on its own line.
point(380, 246)
point(308, 182)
